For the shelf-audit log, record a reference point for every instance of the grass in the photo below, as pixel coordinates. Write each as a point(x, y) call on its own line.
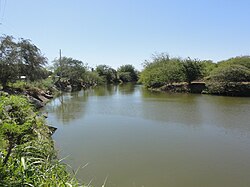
point(33, 160)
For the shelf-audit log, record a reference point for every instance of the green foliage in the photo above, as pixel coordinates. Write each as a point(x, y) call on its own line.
point(34, 164)
point(161, 71)
point(21, 58)
point(241, 60)
point(70, 68)
point(8, 60)
point(31, 60)
point(27, 156)
point(17, 117)
point(45, 84)
point(127, 73)
point(93, 78)
point(231, 77)
point(107, 73)
point(207, 67)
point(231, 73)
point(192, 69)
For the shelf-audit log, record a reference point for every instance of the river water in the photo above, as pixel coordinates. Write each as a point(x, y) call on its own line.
point(127, 136)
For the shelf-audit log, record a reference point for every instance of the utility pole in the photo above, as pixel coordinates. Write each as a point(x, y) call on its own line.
point(60, 62)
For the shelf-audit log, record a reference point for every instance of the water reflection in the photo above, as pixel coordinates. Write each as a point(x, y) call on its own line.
point(137, 137)
point(69, 106)
point(196, 110)
point(172, 108)
point(107, 90)
point(126, 89)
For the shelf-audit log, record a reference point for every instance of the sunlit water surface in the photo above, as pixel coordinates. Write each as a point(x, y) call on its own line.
point(133, 137)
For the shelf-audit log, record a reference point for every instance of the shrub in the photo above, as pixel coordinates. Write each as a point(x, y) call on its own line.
point(231, 73)
point(161, 71)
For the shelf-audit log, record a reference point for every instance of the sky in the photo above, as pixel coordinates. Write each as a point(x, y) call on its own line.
point(119, 32)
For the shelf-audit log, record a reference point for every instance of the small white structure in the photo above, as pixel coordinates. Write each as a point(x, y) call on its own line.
point(23, 77)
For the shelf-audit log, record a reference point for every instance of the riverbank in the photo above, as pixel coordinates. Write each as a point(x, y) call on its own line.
point(27, 153)
point(241, 89)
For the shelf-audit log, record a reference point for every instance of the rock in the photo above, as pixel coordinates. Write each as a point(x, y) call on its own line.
point(8, 108)
point(48, 96)
point(52, 129)
point(42, 98)
point(38, 104)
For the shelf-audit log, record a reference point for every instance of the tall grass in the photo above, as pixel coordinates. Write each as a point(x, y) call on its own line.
point(32, 160)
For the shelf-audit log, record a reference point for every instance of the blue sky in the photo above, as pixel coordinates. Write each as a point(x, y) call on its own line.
point(117, 32)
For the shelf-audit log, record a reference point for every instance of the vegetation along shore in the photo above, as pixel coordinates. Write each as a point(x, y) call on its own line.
point(27, 153)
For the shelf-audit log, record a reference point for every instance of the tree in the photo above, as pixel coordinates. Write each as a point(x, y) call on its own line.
point(127, 73)
point(31, 60)
point(192, 70)
point(70, 69)
point(107, 73)
point(20, 58)
point(8, 60)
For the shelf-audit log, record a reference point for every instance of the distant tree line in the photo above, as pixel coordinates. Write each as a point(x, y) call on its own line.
point(21, 59)
point(75, 72)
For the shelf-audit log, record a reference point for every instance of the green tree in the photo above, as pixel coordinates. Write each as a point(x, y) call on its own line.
point(93, 78)
point(192, 69)
point(32, 62)
point(20, 58)
point(8, 60)
point(70, 69)
point(127, 73)
point(107, 73)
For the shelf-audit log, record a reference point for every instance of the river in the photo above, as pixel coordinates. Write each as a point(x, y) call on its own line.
point(127, 136)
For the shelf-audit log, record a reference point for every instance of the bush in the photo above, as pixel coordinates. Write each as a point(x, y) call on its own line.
point(240, 60)
point(230, 78)
point(231, 73)
point(161, 71)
